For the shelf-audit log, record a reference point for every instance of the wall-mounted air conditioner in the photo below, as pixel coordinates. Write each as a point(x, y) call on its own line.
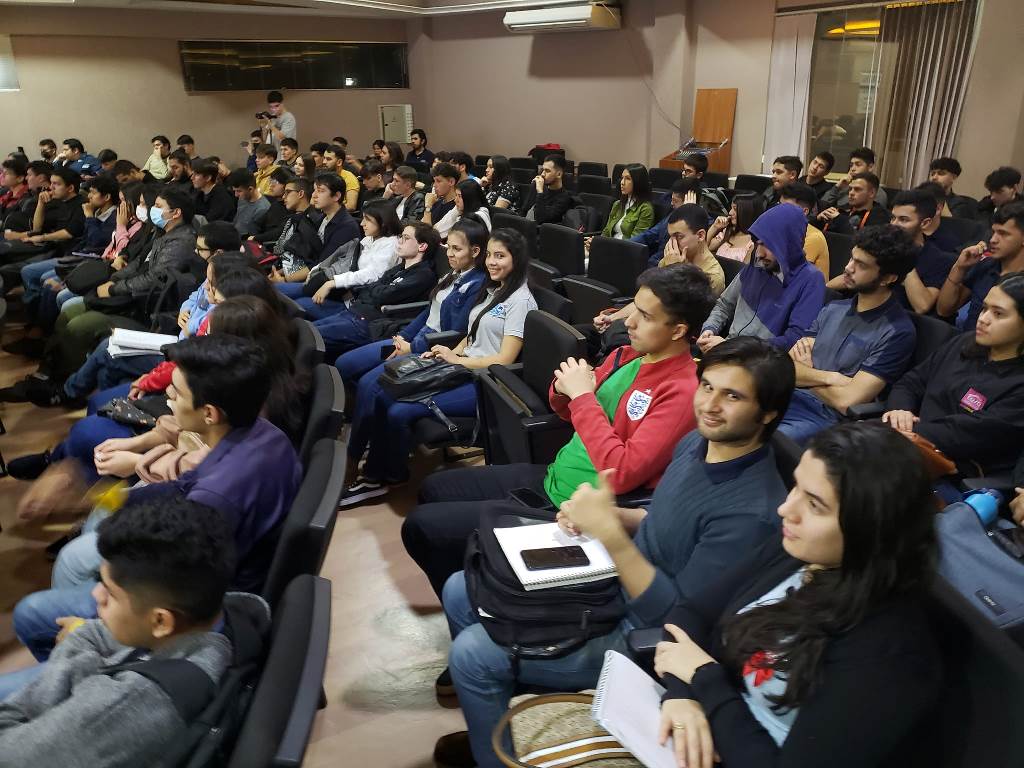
point(565, 18)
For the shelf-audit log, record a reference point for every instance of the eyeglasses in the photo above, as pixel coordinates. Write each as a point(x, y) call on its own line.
point(290, 191)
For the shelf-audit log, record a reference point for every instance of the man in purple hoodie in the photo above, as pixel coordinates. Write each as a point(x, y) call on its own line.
point(778, 294)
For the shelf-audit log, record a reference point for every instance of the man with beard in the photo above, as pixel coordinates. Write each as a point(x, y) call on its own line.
point(856, 347)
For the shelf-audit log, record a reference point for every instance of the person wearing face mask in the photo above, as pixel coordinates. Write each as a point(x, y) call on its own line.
point(778, 294)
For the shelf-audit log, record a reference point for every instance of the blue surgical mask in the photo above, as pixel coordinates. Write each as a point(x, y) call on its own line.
point(156, 215)
point(141, 213)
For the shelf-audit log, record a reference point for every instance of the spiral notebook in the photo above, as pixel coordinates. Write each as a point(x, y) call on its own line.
point(515, 540)
point(126, 343)
point(627, 704)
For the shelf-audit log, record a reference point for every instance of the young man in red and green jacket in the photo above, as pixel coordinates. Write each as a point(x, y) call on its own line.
point(628, 414)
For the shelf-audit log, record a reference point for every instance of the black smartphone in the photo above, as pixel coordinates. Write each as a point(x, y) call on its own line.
point(386, 350)
point(530, 498)
point(554, 557)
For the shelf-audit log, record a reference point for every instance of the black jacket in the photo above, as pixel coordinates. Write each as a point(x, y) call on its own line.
point(299, 244)
point(398, 285)
point(878, 681)
point(972, 409)
point(273, 222)
point(174, 250)
point(216, 205)
point(849, 223)
point(549, 206)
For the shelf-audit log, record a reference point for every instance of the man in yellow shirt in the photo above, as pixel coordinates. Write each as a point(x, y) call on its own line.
point(815, 244)
point(266, 162)
point(334, 162)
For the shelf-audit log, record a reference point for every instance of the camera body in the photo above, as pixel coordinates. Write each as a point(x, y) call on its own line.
point(263, 115)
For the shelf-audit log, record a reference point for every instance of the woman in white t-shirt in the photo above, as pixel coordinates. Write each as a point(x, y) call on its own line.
point(469, 198)
point(495, 336)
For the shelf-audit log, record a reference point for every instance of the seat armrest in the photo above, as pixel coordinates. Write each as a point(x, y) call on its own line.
point(409, 310)
point(445, 338)
point(865, 411)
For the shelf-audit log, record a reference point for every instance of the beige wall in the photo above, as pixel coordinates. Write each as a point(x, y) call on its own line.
point(114, 79)
point(990, 125)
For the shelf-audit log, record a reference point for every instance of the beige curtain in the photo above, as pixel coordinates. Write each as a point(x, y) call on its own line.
point(789, 88)
point(925, 56)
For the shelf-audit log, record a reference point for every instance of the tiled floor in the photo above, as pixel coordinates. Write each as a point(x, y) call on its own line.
point(388, 639)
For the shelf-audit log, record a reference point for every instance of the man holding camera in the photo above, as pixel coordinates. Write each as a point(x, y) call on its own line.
point(276, 123)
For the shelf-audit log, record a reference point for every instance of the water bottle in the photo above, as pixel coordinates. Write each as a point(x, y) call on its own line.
point(986, 503)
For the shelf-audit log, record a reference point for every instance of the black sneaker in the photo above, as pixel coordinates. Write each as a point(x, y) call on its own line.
point(47, 393)
point(363, 489)
point(28, 467)
point(16, 393)
point(444, 686)
point(26, 347)
point(452, 751)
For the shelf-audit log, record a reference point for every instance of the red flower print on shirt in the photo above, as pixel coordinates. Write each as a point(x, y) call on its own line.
point(760, 666)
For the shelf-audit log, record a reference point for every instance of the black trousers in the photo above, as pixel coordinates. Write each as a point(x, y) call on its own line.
point(436, 531)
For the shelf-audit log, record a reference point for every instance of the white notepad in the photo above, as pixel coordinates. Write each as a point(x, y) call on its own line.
point(627, 704)
point(124, 343)
point(515, 540)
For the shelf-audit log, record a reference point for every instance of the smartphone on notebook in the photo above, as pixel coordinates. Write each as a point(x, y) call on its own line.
point(554, 557)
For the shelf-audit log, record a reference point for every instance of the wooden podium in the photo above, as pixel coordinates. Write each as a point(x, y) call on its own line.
point(714, 114)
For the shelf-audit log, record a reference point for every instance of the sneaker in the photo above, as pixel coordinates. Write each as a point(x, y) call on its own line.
point(16, 393)
point(28, 467)
point(26, 347)
point(46, 393)
point(453, 751)
point(361, 490)
point(444, 686)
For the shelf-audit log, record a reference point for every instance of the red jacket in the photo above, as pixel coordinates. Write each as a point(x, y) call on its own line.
point(651, 417)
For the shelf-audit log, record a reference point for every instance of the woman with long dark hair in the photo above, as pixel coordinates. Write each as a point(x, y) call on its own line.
point(494, 337)
point(816, 650)
point(391, 155)
point(305, 167)
point(729, 236)
point(967, 398)
point(501, 188)
point(632, 213)
point(470, 201)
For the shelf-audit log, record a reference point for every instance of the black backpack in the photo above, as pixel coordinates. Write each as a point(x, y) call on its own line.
point(539, 624)
point(214, 713)
point(579, 216)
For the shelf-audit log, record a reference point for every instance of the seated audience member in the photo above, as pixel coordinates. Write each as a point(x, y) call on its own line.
point(305, 166)
point(156, 600)
point(857, 347)
point(862, 160)
point(694, 167)
point(252, 205)
point(470, 201)
point(944, 171)
point(250, 476)
point(179, 171)
point(336, 227)
point(277, 212)
point(255, 139)
point(107, 158)
point(495, 336)
point(442, 157)
point(266, 162)
point(374, 256)
point(547, 201)
point(627, 414)
point(391, 156)
point(17, 218)
point(502, 190)
point(729, 236)
point(450, 301)
point(777, 295)
point(341, 141)
point(317, 149)
point(715, 502)
point(419, 156)
point(402, 195)
point(12, 180)
point(409, 280)
point(58, 220)
point(48, 150)
point(687, 244)
point(289, 151)
point(439, 203)
point(656, 237)
point(334, 162)
point(298, 247)
point(943, 237)
point(188, 145)
point(819, 167)
point(156, 163)
point(1003, 186)
point(862, 209)
point(212, 199)
point(73, 156)
point(632, 213)
point(968, 397)
point(815, 244)
point(372, 188)
point(464, 162)
point(826, 618)
point(973, 275)
point(785, 170)
point(912, 211)
point(126, 172)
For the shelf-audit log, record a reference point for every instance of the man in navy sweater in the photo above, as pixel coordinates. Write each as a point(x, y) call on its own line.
point(716, 501)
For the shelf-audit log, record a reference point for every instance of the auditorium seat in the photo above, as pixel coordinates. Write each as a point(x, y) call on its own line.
point(663, 178)
point(713, 179)
point(967, 231)
point(585, 168)
point(526, 227)
point(523, 175)
point(731, 268)
point(611, 277)
point(562, 248)
point(840, 249)
point(277, 727)
point(752, 183)
point(602, 205)
point(595, 185)
point(326, 409)
point(481, 160)
point(523, 162)
point(309, 344)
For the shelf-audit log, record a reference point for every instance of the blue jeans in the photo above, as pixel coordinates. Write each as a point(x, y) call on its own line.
point(806, 416)
point(102, 371)
point(483, 676)
point(316, 311)
point(32, 278)
point(386, 425)
point(82, 440)
point(342, 331)
point(291, 290)
point(356, 363)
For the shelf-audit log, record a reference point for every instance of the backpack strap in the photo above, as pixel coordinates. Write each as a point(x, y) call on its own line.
point(189, 688)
